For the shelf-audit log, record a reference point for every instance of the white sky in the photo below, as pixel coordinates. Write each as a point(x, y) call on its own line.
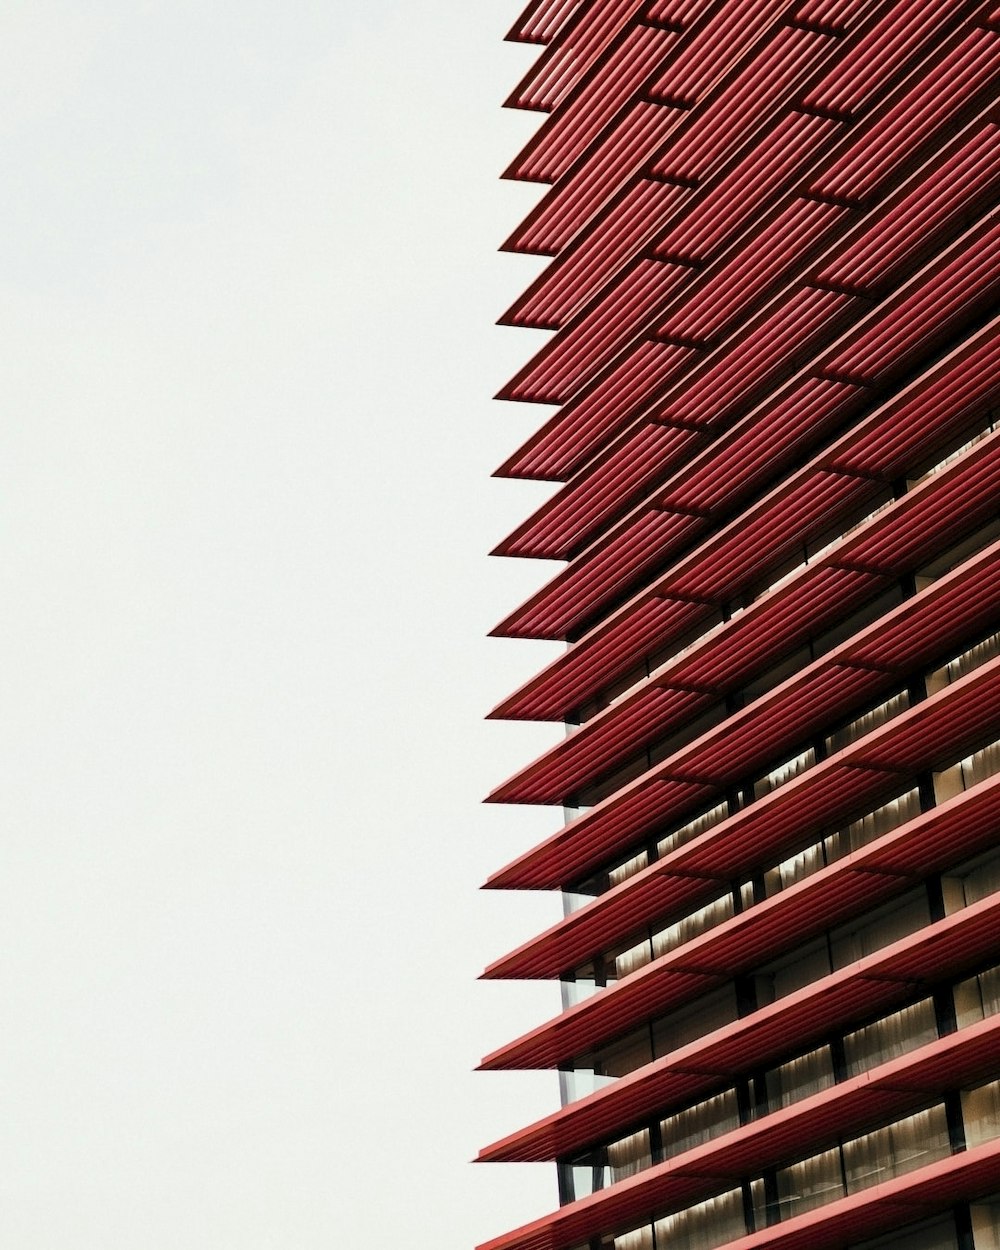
point(248, 285)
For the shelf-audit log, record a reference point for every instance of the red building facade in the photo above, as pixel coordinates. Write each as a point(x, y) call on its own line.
point(773, 295)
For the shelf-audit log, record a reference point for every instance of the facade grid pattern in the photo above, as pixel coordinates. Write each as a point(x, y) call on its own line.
point(774, 357)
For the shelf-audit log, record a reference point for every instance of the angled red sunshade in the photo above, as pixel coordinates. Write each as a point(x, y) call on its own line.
point(570, 54)
point(935, 404)
point(903, 1085)
point(670, 789)
point(542, 20)
point(839, 17)
point(595, 177)
point(916, 119)
point(617, 236)
point(861, 1215)
point(744, 105)
point(581, 116)
point(730, 32)
point(730, 654)
point(772, 382)
point(902, 33)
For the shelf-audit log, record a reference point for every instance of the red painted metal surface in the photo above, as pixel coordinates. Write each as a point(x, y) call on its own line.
point(775, 363)
point(699, 774)
point(891, 1091)
point(597, 99)
point(571, 53)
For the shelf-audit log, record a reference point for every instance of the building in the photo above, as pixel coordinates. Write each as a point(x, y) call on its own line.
point(773, 291)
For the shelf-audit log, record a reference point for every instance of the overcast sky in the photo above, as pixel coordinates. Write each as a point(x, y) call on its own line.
point(248, 286)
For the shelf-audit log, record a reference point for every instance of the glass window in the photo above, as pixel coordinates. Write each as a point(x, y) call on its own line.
point(879, 929)
point(963, 664)
point(981, 1113)
point(864, 724)
point(624, 1055)
point(692, 829)
point(798, 866)
point(986, 1223)
point(972, 881)
point(576, 991)
point(810, 1183)
point(638, 1239)
point(705, 1226)
point(936, 1235)
point(784, 773)
point(630, 1155)
point(624, 871)
point(799, 1078)
point(693, 1022)
point(942, 462)
point(980, 765)
point(898, 1148)
point(634, 958)
point(954, 556)
point(579, 1083)
point(804, 966)
point(882, 820)
point(700, 921)
point(977, 997)
point(699, 1124)
point(586, 1176)
point(891, 1036)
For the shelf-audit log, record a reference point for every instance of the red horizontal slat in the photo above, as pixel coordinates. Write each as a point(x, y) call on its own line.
point(604, 660)
point(595, 178)
point(564, 522)
point(960, 940)
point(884, 445)
point(592, 104)
point(735, 460)
point(785, 333)
point(836, 16)
point(886, 1207)
point(805, 1128)
point(930, 103)
point(614, 238)
point(741, 108)
point(570, 55)
point(929, 408)
point(783, 245)
point(868, 68)
point(794, 145)
point(542, 20)
point(598, 333)
point(625, 816)
point(585, 588)
point(717, 46)
point(950, 288)
point(683, 11)
point(600, 411)
point(951, 189)
point(917, 631)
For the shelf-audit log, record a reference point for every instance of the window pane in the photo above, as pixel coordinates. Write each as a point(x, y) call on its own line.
point(701, 1123)
point(799, 1078)
point(630, 1155)
point(981, 1113)
point(705, 1226)
point(891, 1036)
point(811, 1183)
point(911, 1143)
